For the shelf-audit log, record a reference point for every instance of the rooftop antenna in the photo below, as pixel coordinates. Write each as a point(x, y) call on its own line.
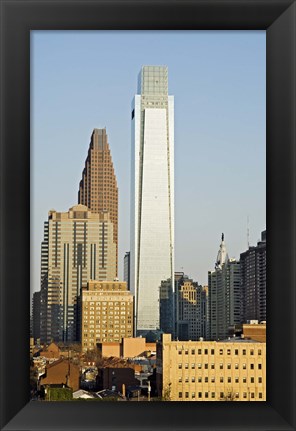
point(248, 232)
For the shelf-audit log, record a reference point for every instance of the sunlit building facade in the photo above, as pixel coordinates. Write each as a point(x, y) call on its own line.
point(98, 187)
point(78, 246)
point(152, 194)
point(228, 370)
point(106, 313)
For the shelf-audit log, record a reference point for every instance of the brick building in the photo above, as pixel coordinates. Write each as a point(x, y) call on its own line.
point(61, 372)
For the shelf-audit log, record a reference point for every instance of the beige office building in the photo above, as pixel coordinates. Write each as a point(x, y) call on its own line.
point(191, 310)
point(78, 246)
point(107, 313)
point(230, 370)
point(98, 187)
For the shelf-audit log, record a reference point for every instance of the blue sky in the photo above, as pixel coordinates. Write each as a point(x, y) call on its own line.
point(81, 80)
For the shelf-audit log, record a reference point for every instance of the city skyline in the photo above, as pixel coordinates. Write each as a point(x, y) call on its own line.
point(226, 191)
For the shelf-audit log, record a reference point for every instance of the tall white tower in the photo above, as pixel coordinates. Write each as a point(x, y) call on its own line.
point(152, 194)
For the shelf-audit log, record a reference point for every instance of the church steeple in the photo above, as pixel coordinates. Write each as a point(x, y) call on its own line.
point(222, 256)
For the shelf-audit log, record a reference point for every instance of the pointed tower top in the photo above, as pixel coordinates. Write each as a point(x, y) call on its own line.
point(222, 256)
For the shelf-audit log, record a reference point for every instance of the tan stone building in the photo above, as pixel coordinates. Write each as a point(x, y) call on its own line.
point(127, 348)
point(78, 246)
point(106, 313)
point(191, 310)
point(98, 187)
point(211, 370)
point(255, 331)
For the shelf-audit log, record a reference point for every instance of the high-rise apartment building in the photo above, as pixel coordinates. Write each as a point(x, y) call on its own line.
point(78, 246)
point(225, 296)
point(253, 281)
point(229, 370)
point(106, 313)
point(98, 187)
point(152, 194)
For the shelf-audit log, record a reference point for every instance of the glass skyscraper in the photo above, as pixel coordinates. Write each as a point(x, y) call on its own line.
point(152, 194)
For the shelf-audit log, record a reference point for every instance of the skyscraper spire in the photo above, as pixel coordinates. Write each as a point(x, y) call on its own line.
point(98, 187)
point(222, 255)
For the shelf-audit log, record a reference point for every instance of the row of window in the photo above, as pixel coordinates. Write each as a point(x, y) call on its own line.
point(246, 395)
point(221, 351)
point(221, 366)
point(221, 379)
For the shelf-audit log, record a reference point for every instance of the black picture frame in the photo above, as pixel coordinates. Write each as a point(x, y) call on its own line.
point(18, 17)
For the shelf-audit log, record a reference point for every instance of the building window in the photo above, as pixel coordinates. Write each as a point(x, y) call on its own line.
point(180, 394)
point(199, 366)
point(236, 380)
point(244, 366)
point(186, 352)
point(259, 379)
point(221, 379)
point(199, 351)
point(259, 352)
point(186, 379)
point(213, 394)
point(236, 395)
point(212, 351)
point(180, 379)
point(221, 366)
point(193, 366)
point(236, 366)
point(252, 366)
point(206, 351)
point(180, 366)
point(206, 379)
point(260, 394)
point(213, 379)
point(228, 352)
point(193, 395)
point(244, 380)
point(199, 395)
point(206, 366)
point(206, 395)
point(199, 379)
point(221, 352)
point(252, 395)
point(228, 366)
point(186, 366)
point(193, 379)
point(192, 352)
point(252, 352)
point(245, 395)
point(259, 366)
point(212, 366)
point(186, 394)
point(244, 352)
point(229, 379)
point(221, 394)
point(180, 352)
point(236, 352)
point(252, 379)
